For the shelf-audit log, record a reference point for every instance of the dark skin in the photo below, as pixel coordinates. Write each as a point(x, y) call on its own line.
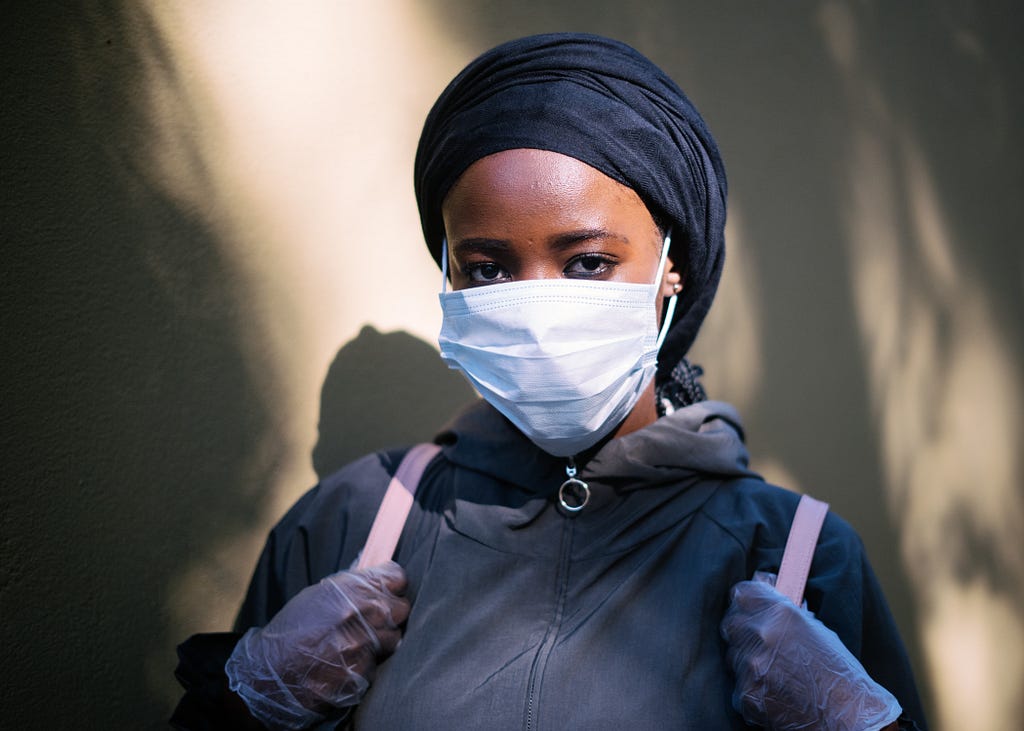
point(533, 214)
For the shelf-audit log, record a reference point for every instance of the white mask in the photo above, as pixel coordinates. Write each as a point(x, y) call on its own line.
point(565, 360)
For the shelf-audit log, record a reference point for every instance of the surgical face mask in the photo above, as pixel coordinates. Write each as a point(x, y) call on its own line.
point(565, 360)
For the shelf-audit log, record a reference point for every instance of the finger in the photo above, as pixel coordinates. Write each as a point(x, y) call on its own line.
point(388, 577)
point(736, 621)
point(754, 595)
point(383, 611)
point(400, 609)
point(736, 615)
point(362, 658)
point(749, 703)
point(389, 640)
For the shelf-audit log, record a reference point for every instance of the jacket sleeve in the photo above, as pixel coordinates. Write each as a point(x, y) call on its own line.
point(883, 654)
point(842, 590)
point(208, 703)
point(845, 595)
point(321, 534)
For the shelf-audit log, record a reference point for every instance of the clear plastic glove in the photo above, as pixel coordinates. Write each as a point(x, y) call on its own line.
point(793, 672)
point(321, 650)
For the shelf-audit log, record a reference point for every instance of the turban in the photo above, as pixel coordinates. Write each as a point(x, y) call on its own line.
point(603, 103)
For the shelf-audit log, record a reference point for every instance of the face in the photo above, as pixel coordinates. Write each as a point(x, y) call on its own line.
point(533, 214)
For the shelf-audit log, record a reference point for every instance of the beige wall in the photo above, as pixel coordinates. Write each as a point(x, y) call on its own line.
point(215, 287)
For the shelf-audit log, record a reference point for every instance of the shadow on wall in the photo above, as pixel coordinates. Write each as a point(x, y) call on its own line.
point(130, 416)
point(383, 390)
point(931, 191)
point(137, 429)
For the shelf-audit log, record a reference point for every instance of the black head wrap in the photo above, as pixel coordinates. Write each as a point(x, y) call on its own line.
point(605, 104)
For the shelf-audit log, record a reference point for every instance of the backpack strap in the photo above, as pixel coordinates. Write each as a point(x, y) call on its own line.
point(803, 537)
point(394, 508)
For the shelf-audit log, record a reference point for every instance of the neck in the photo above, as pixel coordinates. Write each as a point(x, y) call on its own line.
point(644, 413)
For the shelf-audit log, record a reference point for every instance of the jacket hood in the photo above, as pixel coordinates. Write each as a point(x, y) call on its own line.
point(702, 440)
point(640, 484)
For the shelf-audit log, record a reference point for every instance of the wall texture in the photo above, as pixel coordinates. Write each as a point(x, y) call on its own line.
point(214, 290)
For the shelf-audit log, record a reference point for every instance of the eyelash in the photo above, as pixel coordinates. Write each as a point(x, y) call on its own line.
point(471, 269)
point(602, 265)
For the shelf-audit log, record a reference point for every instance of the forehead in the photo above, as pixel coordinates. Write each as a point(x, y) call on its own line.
point(540, 186)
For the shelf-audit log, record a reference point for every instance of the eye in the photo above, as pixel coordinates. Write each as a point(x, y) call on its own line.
point(589, 265)
point(485, 272)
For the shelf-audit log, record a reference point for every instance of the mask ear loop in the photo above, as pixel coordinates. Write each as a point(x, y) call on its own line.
point(444, 265)
point(670, 308)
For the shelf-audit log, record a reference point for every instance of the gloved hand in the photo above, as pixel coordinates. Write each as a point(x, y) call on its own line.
point(793, 672)
point(321, 650)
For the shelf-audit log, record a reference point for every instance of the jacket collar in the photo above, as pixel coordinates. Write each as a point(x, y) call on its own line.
point(703, 439)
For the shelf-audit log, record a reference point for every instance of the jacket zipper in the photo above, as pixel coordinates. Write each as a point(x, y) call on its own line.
point(540, 660)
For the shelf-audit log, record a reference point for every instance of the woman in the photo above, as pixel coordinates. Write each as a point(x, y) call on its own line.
point(580, 553)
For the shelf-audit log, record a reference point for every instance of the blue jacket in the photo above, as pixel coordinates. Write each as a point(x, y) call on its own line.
point(525, 616)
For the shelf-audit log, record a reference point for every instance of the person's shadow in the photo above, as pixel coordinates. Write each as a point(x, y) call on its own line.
point(384, 390)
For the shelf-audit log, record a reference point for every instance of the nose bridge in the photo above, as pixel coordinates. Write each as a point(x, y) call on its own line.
point(537, 260)
point(540, 268)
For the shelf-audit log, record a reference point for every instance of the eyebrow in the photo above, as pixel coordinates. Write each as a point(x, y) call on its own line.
point(571, 238)
point(561, 241)
point(480, 246)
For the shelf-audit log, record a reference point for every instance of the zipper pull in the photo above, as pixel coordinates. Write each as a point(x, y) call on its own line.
point(574, 494)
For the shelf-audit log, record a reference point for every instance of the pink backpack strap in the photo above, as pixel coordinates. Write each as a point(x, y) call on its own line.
point(394, 508)
point(803, 537)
